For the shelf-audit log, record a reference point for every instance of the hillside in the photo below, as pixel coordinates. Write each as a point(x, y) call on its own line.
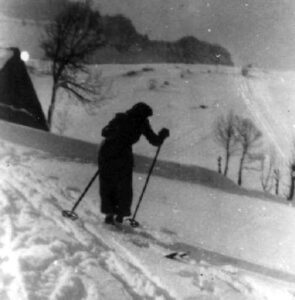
point(46, 256)
point(187, 99)
point(23, 25)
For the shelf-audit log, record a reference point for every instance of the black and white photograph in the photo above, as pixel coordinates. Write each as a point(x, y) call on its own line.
point(147, 149)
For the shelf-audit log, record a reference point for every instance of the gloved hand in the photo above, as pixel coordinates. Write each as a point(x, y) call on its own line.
point(164, 133)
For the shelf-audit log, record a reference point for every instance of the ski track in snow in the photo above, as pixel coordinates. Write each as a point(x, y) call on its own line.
point(261, 105)
point(46, 256)
point(63, 256)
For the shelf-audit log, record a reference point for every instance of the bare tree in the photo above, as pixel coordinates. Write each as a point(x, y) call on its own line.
point(292, 180)
point(265, 164)
point(268, 172)
point(277, 178)
point(248, 136)
point(292, 173)
point(75, 34)
point(225, 135)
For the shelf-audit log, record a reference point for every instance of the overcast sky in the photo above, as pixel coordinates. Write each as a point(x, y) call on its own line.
point(261, 32)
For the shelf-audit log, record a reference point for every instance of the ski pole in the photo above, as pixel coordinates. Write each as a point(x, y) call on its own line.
point(71, 213)
point(132, 221)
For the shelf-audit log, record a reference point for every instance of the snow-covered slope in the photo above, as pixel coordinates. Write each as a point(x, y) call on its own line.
point(187, 99)
point(240, 247)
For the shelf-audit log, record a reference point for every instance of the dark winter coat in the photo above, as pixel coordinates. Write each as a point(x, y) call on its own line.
point(115, 155)
point(115, 160)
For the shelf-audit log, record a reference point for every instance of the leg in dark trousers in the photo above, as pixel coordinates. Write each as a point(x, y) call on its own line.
point(124, 195)
point(109, 202)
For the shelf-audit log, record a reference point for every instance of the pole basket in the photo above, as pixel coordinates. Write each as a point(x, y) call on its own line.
point(133, 223)
point(70, 214)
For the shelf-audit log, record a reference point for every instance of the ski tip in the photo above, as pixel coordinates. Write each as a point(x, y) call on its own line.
point(177, 255)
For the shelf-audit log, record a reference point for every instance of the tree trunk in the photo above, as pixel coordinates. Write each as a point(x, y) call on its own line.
point(277, 180)
point(292, 175)
point(291, 191)
point(51, 107)
point(219, 160)
point(241, 168)
point(227, 156)
point(277, 186)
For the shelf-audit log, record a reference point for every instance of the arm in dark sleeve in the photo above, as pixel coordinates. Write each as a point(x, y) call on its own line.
point(150, 135)
point(113, 128)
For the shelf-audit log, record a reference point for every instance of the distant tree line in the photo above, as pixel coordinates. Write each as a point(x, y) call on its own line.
point(121, 34)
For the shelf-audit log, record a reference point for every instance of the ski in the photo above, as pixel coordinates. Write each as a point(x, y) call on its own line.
point(123, 227)
point(180, 256)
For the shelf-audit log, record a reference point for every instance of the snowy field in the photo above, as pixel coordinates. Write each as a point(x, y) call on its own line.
point(239, 243)
point(239, 247)
point(187, 99)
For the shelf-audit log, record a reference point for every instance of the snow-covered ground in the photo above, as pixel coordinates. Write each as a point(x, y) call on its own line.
point(239, 247)
point(187, 99)
point(240, 243)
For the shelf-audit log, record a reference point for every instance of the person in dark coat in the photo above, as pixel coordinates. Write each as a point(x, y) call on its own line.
point(115, 159)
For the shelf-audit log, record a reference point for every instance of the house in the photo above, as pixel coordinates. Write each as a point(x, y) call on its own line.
point(18, 99)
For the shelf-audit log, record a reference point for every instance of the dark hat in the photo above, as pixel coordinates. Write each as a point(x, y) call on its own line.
point(141, 109)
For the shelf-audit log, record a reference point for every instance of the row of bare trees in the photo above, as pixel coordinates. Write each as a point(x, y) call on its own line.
point(237, 136)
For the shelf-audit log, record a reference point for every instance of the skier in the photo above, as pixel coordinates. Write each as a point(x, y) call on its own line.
point(115, 159)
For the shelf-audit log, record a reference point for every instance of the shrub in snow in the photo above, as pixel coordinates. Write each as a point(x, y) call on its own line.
point(147, 69)
point(186, 73)
point(131, 73)
point(246, 70)
point(152, 84)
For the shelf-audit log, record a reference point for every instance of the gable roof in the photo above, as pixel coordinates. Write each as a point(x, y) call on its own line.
point(18, 99)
